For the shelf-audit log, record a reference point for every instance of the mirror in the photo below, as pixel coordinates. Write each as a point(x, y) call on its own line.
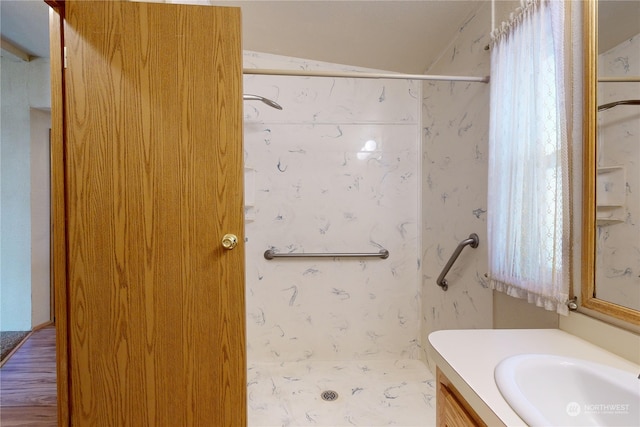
point(611, 199)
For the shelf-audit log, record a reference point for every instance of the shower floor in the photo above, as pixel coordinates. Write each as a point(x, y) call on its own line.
point(370, 393)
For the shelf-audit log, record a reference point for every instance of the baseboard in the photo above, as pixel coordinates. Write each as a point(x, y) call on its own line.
point(42, 326)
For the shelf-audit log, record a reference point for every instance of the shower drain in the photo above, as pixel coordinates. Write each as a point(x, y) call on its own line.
point(329, 395)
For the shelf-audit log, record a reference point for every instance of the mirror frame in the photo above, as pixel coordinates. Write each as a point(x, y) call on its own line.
point(589, 158)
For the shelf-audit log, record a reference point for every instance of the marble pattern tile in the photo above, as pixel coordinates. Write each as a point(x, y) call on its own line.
point(454, 183)
point(370, 393)
point(618, 241)
point(335, 171)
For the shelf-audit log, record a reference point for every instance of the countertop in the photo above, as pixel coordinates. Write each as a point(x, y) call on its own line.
point(468, 358)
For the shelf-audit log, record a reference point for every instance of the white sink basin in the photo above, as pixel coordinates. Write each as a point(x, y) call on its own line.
point(547, 390)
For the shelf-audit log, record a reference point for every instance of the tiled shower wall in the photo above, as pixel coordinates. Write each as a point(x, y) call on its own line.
point(618, 233)
point(337, 170)
point(455, 131)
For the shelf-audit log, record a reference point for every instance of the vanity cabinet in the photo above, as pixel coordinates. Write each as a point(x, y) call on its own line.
point(451, 408)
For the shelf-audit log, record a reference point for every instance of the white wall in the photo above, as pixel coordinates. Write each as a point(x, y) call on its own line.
point(454, 183)
point(24, 85)
point(454, 195)
point(15, 228)
point(40, 217)
point(314, 188)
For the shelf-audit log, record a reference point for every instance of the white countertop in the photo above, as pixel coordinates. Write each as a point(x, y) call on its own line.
point(468, 358)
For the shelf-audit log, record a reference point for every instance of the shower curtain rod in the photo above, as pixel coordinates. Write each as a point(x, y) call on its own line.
point(619, 79)
point(362, 75)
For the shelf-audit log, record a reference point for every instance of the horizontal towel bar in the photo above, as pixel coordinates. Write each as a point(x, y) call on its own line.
point(271, 254)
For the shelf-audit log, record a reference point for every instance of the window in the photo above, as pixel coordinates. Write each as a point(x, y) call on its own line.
point(528, 215)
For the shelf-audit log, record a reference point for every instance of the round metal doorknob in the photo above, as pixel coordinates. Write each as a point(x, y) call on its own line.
point(229, 241)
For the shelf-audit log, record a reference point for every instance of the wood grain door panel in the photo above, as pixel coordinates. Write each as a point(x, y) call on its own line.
point(153, 181)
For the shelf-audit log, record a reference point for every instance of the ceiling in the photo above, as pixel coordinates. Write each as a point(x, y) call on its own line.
point(393, 35)
point(25, 24)
point(617, 21)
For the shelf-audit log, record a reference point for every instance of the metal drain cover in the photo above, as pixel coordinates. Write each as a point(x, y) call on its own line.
point(329, 395)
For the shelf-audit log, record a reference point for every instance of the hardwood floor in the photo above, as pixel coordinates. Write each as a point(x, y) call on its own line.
point(28, 383)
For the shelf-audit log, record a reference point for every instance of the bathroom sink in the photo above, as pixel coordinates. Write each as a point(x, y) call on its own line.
point(548, 390)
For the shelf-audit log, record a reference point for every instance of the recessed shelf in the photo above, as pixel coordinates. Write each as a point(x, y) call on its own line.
point(606, 215)
point(603, 221)
point(249, 194)
point(249, 186)
point(611, 186)
point(607, 169)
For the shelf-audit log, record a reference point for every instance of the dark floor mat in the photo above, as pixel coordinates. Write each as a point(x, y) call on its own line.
point(9, 340)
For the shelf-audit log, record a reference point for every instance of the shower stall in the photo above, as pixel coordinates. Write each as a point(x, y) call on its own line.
point(353, 165)
point(333, 340)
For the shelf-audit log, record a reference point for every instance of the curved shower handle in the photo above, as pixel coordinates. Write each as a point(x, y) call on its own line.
point(472, 241)
point(270, 103)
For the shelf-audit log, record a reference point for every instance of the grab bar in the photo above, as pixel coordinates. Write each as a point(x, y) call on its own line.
point(616, 103)
point(271, 254)
point(473, 241)
point(269, 102)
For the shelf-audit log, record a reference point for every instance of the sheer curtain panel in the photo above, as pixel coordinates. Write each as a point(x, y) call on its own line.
point(528, 215)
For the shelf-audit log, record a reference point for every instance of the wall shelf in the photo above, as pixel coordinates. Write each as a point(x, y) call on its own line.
point(249, 193)
point(610, 195)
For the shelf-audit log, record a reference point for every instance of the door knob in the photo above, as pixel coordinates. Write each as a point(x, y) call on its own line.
point(229, 241)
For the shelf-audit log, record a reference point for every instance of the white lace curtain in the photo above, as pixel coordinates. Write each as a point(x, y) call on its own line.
point(529, 199)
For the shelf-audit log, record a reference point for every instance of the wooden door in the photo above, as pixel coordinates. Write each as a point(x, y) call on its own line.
point(153, 161)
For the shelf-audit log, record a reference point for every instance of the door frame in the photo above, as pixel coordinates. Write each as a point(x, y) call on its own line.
point(58, 207)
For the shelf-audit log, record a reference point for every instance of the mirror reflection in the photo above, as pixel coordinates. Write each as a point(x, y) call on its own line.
point(617, 269)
